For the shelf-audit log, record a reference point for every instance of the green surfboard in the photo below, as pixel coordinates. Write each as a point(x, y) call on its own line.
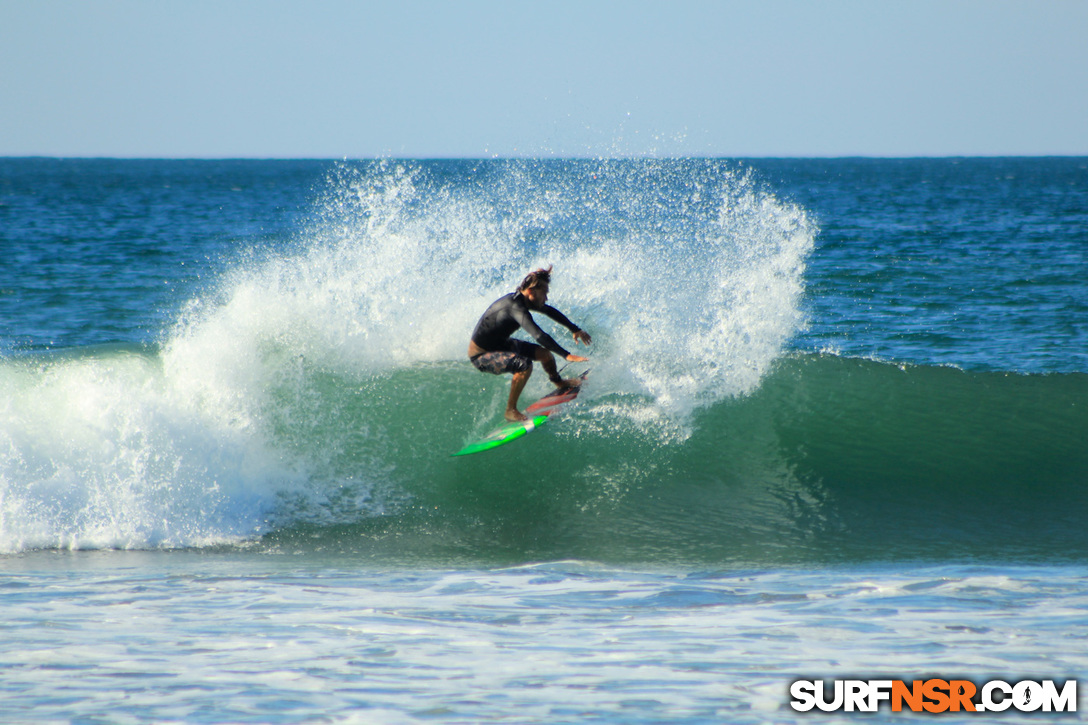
point(503, 434)
point(538, 414)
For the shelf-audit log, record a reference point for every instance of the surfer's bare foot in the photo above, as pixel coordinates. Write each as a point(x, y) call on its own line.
point(569, 383)
point(515, 416)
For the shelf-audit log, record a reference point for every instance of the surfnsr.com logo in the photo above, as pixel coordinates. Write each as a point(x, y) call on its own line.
point(933, 695)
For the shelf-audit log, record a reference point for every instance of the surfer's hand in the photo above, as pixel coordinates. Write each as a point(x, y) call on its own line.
point(583, 337)
point(577, 358)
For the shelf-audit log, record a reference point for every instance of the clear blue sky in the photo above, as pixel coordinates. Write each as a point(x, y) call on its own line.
point(464, 78)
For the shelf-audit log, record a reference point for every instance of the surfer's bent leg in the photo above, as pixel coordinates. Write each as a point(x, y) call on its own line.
point(547, 361)
point(518, 361)
point(517, 384)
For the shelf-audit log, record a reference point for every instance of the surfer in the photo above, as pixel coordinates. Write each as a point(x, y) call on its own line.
point(492, 350)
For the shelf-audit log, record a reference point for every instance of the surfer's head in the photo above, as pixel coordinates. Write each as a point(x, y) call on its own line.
point(535, 286)
point(536, 278)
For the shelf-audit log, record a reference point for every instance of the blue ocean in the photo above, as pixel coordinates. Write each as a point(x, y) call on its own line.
point(836, 426)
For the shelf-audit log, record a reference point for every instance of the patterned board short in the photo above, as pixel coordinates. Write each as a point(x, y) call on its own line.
point(517, 360)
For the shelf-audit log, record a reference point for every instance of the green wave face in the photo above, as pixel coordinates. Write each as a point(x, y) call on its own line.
point(831, 459)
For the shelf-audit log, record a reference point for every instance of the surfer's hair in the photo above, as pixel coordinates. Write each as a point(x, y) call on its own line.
point(536, 278)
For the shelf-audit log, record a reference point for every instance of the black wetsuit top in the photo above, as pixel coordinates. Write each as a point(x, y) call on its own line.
point(507, 314)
